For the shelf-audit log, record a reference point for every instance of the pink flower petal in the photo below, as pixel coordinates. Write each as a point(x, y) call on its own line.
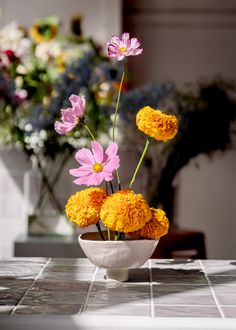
point(98, 152)
point(107, 175)
point(80, 171)
point(112, 149)
point(62, 128)
point(125, 36)
point(84, 157)
point(68, 115)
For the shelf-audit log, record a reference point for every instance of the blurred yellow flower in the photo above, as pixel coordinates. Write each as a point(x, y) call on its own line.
point(83, 208)
point(125, 211)
point(157, 124)
point(155, 228)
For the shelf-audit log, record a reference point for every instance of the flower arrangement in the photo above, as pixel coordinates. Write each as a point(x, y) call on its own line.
point(122, 211)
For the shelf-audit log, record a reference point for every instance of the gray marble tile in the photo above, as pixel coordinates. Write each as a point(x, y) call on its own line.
point(12, 295)
point(102, 294)
point(46, 309)
point(184, 289)
point(120, 309)
point(177, 272)
point(13, 271)
point(186, 311)
point(67, 277)
point(69, 269)
point(229, 311)
point(69, 262)
point(224, 289)
point(218, 263)
point(223, 280)
point(182, 299)
point(220, 267)
point(42, 285)
point(226, 299)
point(22, 260)
point(6, 309)
point(175, 264)
point(180, 280)
point(42, 297)
point(139, 275)
point(15, 285)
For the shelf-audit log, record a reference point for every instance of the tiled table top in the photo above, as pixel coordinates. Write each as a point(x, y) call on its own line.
point(161, 288)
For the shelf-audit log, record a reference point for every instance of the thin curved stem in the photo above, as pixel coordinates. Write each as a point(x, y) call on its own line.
point(90, 133)
point(115, 117)
point(117, 104)
point(149, 139)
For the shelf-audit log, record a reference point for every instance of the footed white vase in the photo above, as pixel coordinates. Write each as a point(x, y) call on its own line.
point(117, 257)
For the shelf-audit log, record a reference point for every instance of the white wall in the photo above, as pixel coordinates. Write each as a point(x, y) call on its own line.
point(182, 41)
point(101, 19)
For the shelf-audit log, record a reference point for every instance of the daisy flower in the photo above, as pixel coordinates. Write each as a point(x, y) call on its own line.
point(70, 117)
point(120, 47)
point(96, 165)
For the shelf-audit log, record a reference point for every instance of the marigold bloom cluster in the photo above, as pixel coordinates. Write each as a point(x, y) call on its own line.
point(155, 228)
point(157, 124)
point(83, 208)
point(125, 211)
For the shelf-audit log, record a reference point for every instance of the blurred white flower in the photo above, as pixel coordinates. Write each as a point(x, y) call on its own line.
point(12, 37)
point(48, 50)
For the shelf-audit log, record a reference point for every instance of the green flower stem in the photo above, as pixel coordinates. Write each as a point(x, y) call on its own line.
point(117, 104)
point(118, 179)
point(108, 230)
point(100, 231)
point(112, 190)
point(114, 122)
point(149, 139)
point(90, 133)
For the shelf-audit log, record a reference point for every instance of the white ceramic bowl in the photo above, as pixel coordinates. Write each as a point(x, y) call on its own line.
point(113, 255)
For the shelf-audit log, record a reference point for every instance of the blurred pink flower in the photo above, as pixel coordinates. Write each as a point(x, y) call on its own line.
point(119, 48)
point(70, 117)
point(97, 165)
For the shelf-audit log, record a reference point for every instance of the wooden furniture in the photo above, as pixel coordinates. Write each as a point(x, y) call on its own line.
point(181, 244)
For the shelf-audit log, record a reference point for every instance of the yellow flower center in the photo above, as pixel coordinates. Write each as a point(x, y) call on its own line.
point(122, 49)
point(97, 167)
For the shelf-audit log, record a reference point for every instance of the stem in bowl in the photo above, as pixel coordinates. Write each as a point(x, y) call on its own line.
point(149, 139)
point(100, 231)
point(108, 230)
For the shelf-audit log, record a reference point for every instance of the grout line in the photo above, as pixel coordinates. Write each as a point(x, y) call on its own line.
point(212, 291)
point(151, 289)
point(89, 291)
point(30, 287)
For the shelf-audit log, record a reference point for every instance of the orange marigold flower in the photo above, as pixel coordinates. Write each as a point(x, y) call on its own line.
point(157, 124)
point(155, 228)
point(83, 208)
point(125, 211)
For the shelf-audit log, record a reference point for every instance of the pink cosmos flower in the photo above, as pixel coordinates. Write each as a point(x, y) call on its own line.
point(119, 48)
point(97, 165)
point(70, 117)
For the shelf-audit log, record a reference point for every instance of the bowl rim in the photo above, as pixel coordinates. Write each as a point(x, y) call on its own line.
point(83, 236)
